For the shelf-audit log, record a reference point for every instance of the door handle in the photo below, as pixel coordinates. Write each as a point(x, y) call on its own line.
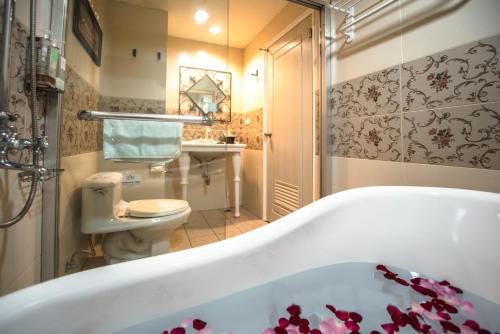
point(268, 134)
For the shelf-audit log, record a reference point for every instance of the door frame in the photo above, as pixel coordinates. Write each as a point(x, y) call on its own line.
point(324, 82)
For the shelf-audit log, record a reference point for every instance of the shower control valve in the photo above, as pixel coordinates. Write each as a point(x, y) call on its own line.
point(41, 143)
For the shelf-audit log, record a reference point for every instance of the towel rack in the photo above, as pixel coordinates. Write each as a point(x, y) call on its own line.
point(348, 7)
point(92, 115)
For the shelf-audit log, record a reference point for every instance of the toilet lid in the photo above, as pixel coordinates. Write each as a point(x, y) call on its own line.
point(156, 207)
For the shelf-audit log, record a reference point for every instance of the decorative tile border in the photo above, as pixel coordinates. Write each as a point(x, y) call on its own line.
point(79, 137)
point(374, 94)
point(131, 105)
point(450, 114)
point(465, 136)
point(251, 133)
point(469, 74)
point(377, 137)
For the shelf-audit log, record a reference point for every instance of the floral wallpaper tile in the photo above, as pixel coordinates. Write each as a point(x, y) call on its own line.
point(250, 134)
point(19, 97)
point(376, 137)
point(466, 136)
point(469, 74)
point(77, 136)
point(131, 105)
point(373, 94)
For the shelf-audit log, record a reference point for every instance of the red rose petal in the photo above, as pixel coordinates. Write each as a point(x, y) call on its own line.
point(178, 330)
point(342, 315)
point(280, 330)
point(315, 331)
point(199, 324)
point(331, 308)
point(393, 310)
point(472, 325)
point(424, 291)
point(303, 329)
point(294, 309)
point(444, 315)
point(389, 328)
point(282, 322)
point(356, 317)
point(457, 290)
point(390, 276)
point(449, 327)
point(375, 332)
point(416, 280)
point(402, 281)
point(295, 320)
point(165, 332)
point(425, 328)
point(484, 331)
point(444, 283)
point(413, 321)
point(383, 268)
point(427, 306)
point(304, 322)
point(450, 308)
point(352, 326)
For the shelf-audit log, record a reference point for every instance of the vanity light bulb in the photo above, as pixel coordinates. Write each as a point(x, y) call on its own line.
point(215, 30)
point(201, 16)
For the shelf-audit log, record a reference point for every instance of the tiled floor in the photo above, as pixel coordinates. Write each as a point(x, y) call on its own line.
point(202, 228)
point(205, 227)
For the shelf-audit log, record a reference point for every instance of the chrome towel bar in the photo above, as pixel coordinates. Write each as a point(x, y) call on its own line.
point(92, 115)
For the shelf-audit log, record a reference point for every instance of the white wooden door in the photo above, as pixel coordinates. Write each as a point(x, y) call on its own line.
point(290, 122)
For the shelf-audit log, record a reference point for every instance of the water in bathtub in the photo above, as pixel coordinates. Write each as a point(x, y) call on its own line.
point(342, 298)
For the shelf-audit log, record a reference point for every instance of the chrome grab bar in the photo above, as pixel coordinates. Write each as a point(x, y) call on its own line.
point(92, 115)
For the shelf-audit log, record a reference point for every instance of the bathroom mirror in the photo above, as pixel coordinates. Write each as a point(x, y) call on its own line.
point(206, 95)
point(146, 44)
point(203, 91)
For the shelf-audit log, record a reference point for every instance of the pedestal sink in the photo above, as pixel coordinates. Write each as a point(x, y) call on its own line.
point(209, 149)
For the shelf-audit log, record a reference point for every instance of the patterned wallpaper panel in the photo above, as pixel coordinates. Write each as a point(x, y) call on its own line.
point(247, 127)
point(442, 109)
point(131, 105)
point(20, 100)
point(465, 75)
point(77, 136)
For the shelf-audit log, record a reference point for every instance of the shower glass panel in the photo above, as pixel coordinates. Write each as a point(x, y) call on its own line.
point(125, 182)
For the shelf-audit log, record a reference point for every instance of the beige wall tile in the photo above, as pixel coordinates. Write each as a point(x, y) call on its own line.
point(27, 278)
point(376, 46)
point(431, 26)
point(453, 177)
point(352, 173)
point(20, 245)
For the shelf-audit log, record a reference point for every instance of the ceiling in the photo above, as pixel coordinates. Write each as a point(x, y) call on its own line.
point(246, 18)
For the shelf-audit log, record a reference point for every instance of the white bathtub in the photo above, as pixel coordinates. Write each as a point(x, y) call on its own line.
point(445, 233)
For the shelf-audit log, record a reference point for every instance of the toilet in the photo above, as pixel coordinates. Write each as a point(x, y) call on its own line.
point(133, 230)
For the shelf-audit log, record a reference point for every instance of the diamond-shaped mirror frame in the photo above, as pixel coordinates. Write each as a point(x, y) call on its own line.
point(206, 79)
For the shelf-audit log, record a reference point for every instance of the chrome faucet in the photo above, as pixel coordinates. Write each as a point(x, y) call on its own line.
point(11, 143)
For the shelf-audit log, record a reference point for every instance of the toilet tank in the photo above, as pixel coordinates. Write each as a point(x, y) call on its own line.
point(101, 196)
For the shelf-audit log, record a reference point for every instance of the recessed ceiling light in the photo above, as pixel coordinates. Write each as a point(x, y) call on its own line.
point(201, 16)
point(215, 29)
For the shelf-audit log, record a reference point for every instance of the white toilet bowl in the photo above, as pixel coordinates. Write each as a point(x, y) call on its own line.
point(134, 229)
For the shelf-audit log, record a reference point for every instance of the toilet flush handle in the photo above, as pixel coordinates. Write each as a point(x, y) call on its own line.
point(101, 191)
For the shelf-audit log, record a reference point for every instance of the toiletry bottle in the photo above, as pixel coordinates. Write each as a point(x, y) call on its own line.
point(42, 45)
point(43, 49)
point(61, 72)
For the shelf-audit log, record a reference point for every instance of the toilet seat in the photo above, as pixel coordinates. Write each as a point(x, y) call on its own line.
point(156, 207)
